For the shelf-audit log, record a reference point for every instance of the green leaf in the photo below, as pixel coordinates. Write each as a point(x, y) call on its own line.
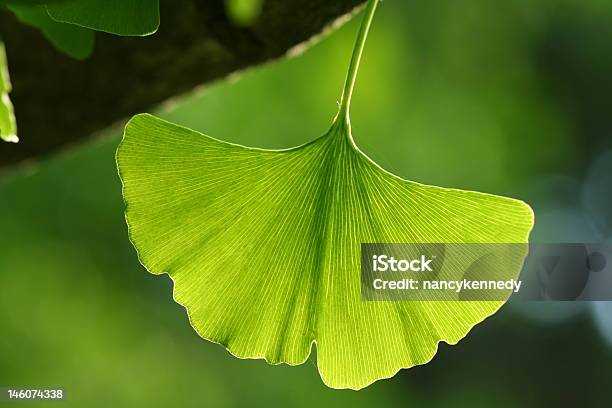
point(8, 125)
point(75, 41)
point(243, 12)
point(121, 17)
point(264, 246)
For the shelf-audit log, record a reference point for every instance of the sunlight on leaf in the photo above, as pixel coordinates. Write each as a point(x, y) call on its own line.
point(8, 125)
point(78, 42)
point(264, 246)
point(121, 17)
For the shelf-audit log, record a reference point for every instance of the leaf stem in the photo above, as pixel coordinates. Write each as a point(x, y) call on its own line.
point(351, 76)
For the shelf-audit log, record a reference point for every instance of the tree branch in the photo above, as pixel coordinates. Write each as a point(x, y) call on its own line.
point(59, 100)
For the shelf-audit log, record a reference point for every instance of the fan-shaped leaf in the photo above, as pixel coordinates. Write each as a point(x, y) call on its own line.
point(264, 246)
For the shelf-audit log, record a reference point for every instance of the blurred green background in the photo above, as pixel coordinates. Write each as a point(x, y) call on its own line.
point(506, 97)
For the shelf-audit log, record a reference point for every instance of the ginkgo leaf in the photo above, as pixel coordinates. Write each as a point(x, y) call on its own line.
point(122, 17)
point(78, 42)
point(8, 125)
point(264, 246)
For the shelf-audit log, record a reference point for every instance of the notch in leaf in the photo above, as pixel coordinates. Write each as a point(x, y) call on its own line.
point(263, 246)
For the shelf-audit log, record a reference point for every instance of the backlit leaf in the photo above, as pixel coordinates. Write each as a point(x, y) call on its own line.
point(264, 246)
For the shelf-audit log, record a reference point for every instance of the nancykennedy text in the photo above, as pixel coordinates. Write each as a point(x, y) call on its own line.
point(490, 271)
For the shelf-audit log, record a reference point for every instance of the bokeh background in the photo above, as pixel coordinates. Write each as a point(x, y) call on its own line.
point(506, 97)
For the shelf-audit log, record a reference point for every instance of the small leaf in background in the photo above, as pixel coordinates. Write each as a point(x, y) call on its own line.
point(78, 42)
point(8, 125)
point(121, 17)
point(264, 246)
point(243, 12)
